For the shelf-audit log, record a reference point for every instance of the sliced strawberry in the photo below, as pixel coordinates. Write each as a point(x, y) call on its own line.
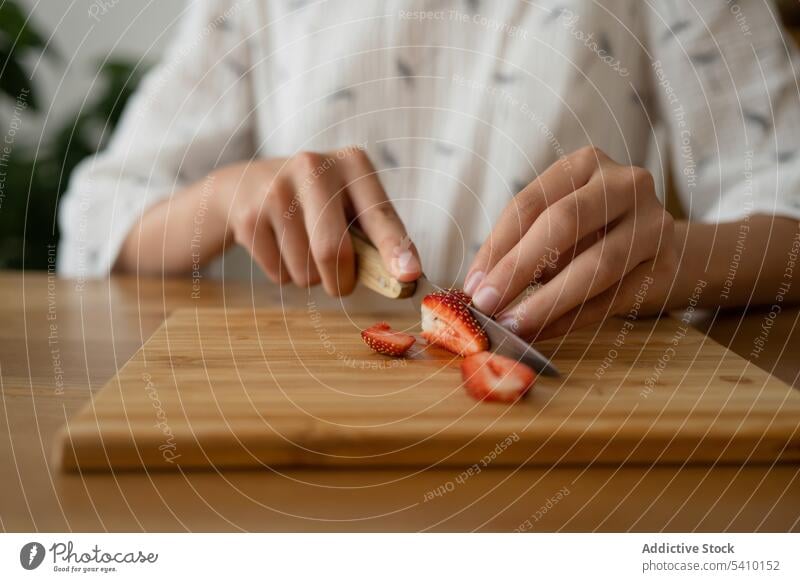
point(382, 339)
point(489, 376)
point(447, 322)
point(460, 295)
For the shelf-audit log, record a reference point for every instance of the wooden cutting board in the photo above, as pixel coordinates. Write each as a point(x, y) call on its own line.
point(238, 388)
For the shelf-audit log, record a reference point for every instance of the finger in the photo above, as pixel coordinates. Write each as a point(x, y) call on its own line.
point(592, 272)
point(377, 216)
point(628, 298)
point(564, 259)
point(286, 217)
point(255, 235)
point(322, 194)
point(557, 230)
point(561, 178)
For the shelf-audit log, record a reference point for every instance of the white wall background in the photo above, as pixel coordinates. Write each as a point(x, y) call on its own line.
point(85, 33)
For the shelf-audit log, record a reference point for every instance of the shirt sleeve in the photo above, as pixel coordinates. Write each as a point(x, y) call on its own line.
point(190, 115)
point(725, 79)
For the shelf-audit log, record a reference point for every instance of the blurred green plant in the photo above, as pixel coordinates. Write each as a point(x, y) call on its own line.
point(31, 182)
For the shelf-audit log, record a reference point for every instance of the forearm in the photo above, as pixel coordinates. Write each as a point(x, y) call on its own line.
point(178, 234)
point(753, 261)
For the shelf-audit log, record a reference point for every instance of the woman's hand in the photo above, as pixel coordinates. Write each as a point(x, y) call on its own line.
point(577, 244)
point(292, 217)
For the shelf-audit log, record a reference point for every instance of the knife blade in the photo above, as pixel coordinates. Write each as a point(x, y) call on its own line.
point(373, 275)
point(501, 340)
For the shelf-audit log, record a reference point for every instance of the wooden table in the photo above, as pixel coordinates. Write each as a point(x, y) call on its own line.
point(62, 340)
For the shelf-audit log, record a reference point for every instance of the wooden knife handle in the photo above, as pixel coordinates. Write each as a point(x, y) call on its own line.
point(372, 273)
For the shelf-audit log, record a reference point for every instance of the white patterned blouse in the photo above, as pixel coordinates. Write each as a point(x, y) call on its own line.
point(459, 104)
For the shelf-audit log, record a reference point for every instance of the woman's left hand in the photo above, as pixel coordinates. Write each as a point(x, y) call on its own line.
point(580, 243)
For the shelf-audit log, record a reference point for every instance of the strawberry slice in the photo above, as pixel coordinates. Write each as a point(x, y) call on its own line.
point(447, 322)
point(384, 340)
point(493, 377)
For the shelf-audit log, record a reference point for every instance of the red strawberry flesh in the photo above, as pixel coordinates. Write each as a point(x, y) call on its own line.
point(383, 339)
point(493, 377)
point(447, 322)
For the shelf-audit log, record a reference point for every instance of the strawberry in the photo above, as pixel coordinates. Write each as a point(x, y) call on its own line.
point(460, 295)
point(446, 321)
point(382, 339)
point(489, 376)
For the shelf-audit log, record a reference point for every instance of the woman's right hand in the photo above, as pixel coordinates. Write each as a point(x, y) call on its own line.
point(292, 216)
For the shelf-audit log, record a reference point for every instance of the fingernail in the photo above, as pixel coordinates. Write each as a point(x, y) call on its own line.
point(404, 262)
point(472, 282)
point(486, 299)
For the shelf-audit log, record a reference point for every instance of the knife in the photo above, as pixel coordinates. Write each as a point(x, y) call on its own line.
point(373, 275)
